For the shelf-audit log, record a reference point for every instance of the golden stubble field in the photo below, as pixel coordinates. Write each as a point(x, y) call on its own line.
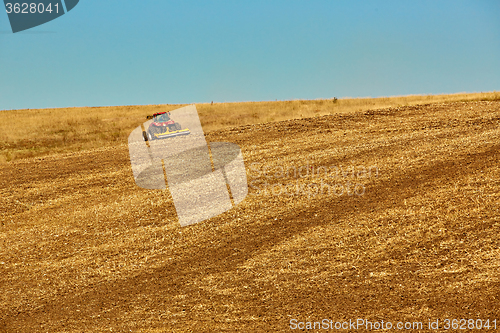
point(41, 132)
point(83, 249)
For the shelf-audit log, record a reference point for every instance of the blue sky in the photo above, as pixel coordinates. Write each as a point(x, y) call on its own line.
point(127, 52)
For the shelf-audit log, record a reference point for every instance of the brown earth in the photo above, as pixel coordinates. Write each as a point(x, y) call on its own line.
point(83, 249)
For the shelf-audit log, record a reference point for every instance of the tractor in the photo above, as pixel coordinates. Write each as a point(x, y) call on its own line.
point(163, 127)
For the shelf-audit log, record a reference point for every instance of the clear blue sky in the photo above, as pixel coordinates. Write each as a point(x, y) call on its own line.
point(127, 52)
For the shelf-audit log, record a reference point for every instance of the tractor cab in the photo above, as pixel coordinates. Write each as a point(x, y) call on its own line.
point(161, 117)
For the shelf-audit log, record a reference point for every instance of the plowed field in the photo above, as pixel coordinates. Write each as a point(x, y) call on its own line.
point(393, 215)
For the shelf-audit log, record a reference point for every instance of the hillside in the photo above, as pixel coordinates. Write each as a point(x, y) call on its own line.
point(417, 238)
point(42, 132)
